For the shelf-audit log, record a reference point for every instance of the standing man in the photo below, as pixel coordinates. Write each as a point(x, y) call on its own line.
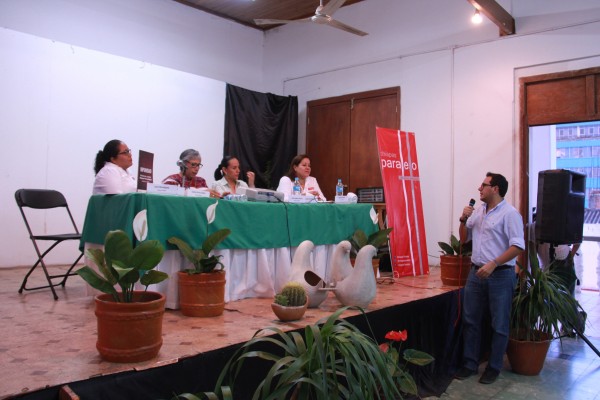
point(496, 229)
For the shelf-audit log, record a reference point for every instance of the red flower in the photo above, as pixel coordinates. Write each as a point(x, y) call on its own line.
point(384, 347)
point(397, 336)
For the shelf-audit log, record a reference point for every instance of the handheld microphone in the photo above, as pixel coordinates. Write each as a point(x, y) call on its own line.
point(471, 202)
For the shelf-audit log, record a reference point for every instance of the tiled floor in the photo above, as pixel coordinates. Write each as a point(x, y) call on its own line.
point(571, 372)
point(48, 343)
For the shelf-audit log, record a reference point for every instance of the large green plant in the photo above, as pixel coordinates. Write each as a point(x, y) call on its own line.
point(332, 360)
point(121, 264)
point(359, 239)
point(454, 247)
point(201, 258)
point(542, 302)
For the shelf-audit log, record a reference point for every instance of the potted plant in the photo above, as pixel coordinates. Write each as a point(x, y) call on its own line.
point(541, 304)
point(290, 304)
point(202, 287)
point(455, 261)
point(129, 321)
point(327, 362)
point(378, 239)
point(332, 359)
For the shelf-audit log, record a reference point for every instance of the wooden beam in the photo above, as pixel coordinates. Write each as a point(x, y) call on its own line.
point(495, 13)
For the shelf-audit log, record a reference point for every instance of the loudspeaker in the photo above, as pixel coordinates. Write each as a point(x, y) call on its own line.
point(560, 205)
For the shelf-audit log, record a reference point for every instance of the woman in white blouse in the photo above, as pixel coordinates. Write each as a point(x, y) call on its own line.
point(111, 169)
point(227, 174)
point(300, 168)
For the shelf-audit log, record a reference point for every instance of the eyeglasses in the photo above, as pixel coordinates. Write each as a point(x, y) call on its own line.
point(128, 151)
point(194, 164)
point(486, 184)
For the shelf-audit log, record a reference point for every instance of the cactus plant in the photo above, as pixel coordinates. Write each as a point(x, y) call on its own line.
point(291, 295)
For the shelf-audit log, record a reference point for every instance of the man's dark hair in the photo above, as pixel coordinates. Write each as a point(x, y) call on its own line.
point(500, 181)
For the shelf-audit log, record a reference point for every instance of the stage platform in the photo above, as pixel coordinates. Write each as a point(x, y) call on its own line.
point(47, 343)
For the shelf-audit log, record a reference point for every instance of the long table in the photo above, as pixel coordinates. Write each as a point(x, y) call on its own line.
point(257, 254)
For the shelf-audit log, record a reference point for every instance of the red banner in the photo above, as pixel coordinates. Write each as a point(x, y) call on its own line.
point(402, 189)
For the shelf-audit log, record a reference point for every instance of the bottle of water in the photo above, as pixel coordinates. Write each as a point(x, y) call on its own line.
point(339, 188)
point(296, 190)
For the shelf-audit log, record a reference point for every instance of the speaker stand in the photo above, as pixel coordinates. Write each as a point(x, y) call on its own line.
point(575, 328)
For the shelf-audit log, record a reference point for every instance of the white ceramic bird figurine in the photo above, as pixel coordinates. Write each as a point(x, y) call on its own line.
point(359, 288)
point(341, 266)
point(302, 272)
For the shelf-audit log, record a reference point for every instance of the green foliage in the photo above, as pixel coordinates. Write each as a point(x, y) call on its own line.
point(201, 259)
point(541, 302)
point(292, 295)
point(455, 248)
point(377, 239)
point(404, 379)
point(225, 392)
point(121, 264)
point(333, 360)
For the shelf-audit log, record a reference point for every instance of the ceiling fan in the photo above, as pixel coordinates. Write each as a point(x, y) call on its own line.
point(323, 16)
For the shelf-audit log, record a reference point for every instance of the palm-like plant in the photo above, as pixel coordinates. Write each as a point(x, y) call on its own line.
point(332, 360)
point(542, 303)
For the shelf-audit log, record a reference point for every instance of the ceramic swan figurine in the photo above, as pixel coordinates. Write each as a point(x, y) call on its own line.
point(359, 288)
point(302, 272)
point(341, 266)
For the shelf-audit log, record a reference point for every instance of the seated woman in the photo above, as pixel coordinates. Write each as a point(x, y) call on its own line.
point(189, 164)
point(227, 174)
point(111, 166)
point(300, 168)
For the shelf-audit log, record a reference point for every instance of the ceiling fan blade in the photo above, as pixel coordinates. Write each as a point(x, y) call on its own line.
point(331, 7)
point(278, 21)
point(347, 28)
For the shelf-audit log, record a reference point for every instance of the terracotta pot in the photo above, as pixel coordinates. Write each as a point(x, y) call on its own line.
point(130, 332)
point(455, 269)
point(289, 313)
point(202, 295)
point(527, 357)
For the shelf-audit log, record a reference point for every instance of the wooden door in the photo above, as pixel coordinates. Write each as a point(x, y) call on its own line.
point(341, 141)
point(368, 113)
point(328, 143)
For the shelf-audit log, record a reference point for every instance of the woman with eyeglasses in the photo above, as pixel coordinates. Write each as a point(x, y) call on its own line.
point(189, 164)
point(227, 174)
point(111, 167)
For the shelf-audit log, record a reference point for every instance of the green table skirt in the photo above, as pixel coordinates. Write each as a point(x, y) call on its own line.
point(253, 225)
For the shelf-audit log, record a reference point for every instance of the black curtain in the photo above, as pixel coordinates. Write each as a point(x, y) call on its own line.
point(261, 130)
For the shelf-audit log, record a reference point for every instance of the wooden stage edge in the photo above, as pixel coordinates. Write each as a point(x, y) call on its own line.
point(49, 343)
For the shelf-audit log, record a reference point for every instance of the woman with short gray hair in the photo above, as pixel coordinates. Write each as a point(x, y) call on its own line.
point(189, 164)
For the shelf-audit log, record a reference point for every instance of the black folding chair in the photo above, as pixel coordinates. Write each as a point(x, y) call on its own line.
point(46, 199)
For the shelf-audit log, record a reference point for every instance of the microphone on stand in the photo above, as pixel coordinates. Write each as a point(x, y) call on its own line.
point(181, 164)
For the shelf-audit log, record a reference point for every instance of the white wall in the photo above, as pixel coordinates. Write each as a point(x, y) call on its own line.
point(75, 74)
point(61, 104)
point(161, 32)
